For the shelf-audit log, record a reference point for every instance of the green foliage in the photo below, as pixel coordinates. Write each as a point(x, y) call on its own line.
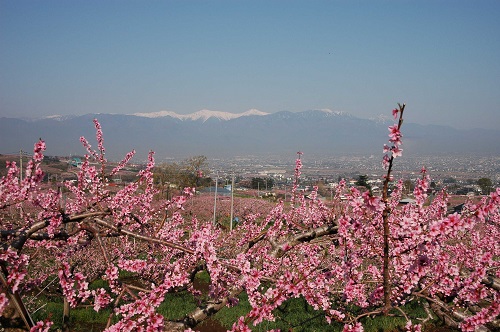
point(486, 185)
point(363, 182)
point(86, 319)
point(52, 309)
point(227, 316)
point(294, 314)
point(203, 276)
point(449, 180)
point(99, 283)
point(177, 305)
point(297, 315)
point(414, 310)
point(262, 183)
point(181, 175)
point(81, 319)
point(409, 186)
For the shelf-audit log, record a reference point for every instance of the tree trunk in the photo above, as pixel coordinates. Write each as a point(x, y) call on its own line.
point(65, 325)
point(15, 313)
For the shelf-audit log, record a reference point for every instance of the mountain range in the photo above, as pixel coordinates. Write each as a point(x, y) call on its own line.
point(221, 134)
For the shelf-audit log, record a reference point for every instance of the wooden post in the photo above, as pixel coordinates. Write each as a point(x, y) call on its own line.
point(16, 301)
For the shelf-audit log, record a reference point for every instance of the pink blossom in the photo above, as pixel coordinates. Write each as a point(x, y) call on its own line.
point(482, 317)
point(240, 326)
point(396, 151)
point(102, 299)
point(331, 256)
point(189, 191)
point(372, 202)
point(395, 135)
point(386, 160)
point(3, 302)
point(41, 326)
point(413, 328)
point(122, 163)
point(99, 137)
point(357, 327)
point(38, 151)
point(155, 323)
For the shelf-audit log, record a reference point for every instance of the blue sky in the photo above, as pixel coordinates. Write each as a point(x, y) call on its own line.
point(75, 57)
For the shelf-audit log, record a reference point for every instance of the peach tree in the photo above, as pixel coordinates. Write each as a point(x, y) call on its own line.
point(363, 257)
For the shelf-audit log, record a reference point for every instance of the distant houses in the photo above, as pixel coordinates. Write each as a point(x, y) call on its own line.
point(406, 201)
point(76, 162)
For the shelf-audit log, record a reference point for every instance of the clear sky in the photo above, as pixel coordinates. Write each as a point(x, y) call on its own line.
point(75, 57)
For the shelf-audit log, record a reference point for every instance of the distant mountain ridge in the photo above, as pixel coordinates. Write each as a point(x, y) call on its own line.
point(201, 115)
point(221, 134)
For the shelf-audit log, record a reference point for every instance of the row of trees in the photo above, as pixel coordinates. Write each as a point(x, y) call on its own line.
point(188, 173)
point(364, 257)
point(262, 183)
point(486, 185)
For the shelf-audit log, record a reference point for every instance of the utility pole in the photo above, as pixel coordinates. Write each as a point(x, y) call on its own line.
point(21, 165)
point(232, 204)
point(215, 196)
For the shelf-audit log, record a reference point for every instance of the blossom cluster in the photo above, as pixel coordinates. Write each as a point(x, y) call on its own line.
point(330, 256)
point(393, 151)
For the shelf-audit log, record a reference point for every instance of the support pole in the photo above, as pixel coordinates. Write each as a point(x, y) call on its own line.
point(232, 204)
point(215, 197)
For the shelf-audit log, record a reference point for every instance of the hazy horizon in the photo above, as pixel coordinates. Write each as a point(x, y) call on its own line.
point(126, 57)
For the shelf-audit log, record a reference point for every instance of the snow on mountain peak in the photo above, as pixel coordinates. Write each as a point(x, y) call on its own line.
point(324, 112)
point(329, 111)
point(381, 118)
point(203, 115)
point(253, 111)
point(207, 114)
point(159, 114)
point(55, 117)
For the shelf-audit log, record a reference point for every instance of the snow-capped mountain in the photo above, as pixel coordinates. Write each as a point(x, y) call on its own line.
point(329, 112)
point(220, 134)
point(383, 119)
point(203, 115)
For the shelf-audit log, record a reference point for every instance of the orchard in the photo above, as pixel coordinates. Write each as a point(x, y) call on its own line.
point(366, 256)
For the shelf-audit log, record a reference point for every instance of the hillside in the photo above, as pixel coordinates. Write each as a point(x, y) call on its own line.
point(317, 132)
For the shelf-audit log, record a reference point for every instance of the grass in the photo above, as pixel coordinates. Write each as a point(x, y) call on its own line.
point(174, 307)
point(86, 319)
point(298, 316)
point(203, 276)
point(81, 319)
point(177, 305)
point(293, 315)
